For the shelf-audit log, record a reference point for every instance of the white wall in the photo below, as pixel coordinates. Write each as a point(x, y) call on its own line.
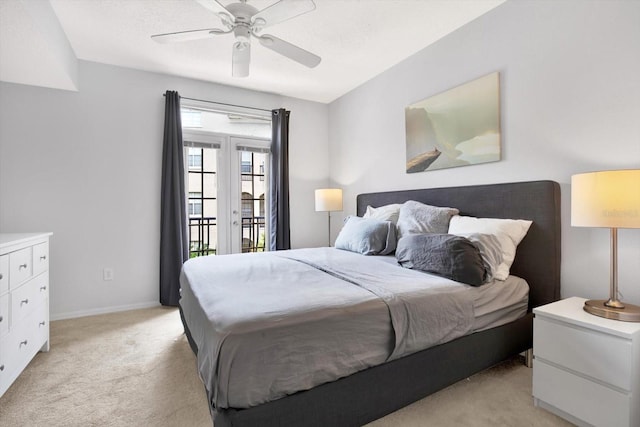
point(86, 166)
point(570, 102)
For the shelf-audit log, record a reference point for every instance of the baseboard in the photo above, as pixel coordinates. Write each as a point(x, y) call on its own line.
point(103, 310)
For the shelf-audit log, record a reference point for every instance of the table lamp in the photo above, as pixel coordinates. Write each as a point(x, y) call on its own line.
point(329, 200)
point(608, 199)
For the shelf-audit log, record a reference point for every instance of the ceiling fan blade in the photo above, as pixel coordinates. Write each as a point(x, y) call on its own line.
point(183, 36)
point(213, 5)
point(240, 60)
point(282, 11)
point(216, 7)
point(293, 52)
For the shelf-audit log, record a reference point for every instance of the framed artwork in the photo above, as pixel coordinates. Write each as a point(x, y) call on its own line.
point(458, 127)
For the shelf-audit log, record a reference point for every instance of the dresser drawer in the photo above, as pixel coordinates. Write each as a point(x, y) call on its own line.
point(40, 258)
point(20, 267)
point(28, 296)
point(4, 369)
point(25, 340)
point(4, 274)
point(607, 358)
point(4, 314)
point(589, 401)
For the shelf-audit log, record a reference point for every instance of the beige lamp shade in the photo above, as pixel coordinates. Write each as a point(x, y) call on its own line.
point(328, 200)
point(606, 199)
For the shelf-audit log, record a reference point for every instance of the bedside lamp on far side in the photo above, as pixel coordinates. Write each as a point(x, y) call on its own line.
point(329, 200)
point(608, 199)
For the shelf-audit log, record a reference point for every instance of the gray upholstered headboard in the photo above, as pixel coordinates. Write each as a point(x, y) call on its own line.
point(538, 255)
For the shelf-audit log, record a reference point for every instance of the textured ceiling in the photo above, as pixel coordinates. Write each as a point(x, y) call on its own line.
point(357, 39)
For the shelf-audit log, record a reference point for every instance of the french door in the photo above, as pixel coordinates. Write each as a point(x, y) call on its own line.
point(227, 193)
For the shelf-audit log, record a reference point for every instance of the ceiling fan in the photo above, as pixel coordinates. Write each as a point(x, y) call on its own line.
point(245, 21)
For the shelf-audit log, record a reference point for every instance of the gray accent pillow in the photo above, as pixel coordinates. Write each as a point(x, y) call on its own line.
point(453, 257)
point(367, 236)
point(418, 218)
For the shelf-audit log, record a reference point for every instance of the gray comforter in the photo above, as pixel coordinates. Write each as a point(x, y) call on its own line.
point(270, 324)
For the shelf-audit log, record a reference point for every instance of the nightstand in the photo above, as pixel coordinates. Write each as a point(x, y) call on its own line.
point(586, 369)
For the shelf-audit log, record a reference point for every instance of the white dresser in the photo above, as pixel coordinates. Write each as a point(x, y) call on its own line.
point(24, 302)
point(586, 368)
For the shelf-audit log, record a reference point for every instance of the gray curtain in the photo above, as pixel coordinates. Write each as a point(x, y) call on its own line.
point(174, 238)
point(279, 237)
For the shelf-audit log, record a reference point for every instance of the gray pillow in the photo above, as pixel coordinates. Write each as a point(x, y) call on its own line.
point(418, 218)
point(367, 236)
point(453, 257)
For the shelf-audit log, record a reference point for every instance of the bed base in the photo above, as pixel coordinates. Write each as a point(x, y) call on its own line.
point(375, 392)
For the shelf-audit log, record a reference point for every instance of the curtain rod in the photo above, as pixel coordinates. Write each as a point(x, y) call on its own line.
point(221, 103)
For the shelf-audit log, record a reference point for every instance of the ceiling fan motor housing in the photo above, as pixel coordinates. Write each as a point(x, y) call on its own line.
point(242, 30)
point(242, 12)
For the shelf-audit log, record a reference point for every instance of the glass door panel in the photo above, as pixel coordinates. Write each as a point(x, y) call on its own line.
point(202, 159)
point(249, 233)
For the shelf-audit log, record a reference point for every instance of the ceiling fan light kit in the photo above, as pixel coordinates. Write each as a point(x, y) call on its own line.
point(245, 21)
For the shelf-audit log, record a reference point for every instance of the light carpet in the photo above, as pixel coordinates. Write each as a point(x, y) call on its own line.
point(135, 368)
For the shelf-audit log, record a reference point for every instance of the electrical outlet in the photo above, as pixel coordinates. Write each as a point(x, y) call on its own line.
point(107, 274)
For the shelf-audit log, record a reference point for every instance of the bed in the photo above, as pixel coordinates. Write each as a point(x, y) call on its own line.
point(375, 391)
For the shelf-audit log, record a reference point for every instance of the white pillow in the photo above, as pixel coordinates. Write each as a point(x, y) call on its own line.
point(384, 213)
point(509, 232)
point(490, 251)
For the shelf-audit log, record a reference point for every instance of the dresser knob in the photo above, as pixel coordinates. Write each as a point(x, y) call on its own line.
point(24, 301)
point(1, 368)
point(43, 257)
point(1, 318)
point(21, 266)
point(43, 323)
point(1, 276)
point(22, 343)
point(43, 288)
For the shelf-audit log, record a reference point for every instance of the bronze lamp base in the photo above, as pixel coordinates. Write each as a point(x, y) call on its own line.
point(625, 313)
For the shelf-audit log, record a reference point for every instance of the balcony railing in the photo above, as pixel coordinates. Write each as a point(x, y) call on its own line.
point(253, 234)
point(203, 235)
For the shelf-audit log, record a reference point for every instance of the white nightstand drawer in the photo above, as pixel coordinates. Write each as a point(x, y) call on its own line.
point(40, 258)
point(19, 267)
point(4, 314)
point(584, 399)
point(4, 274)
point(604, 357)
